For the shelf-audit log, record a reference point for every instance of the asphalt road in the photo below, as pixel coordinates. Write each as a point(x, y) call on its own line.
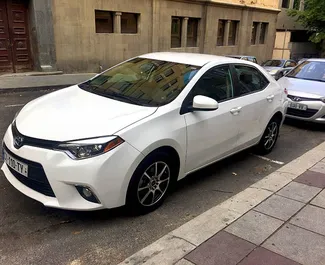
point(33, 234)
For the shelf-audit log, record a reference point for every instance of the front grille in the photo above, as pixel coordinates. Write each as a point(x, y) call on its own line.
point(296, 98)
point(302, 113)
point(36, 179)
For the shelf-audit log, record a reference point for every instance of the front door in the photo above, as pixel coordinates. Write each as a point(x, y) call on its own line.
point(15, 52)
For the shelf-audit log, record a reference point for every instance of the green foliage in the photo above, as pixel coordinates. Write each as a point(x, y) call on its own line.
point(312, 18)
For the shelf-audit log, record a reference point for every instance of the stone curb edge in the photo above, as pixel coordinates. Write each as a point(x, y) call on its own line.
point(25, 89)
point(172, 247)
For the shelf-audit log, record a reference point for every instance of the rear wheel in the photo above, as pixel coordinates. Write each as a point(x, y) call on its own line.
point(150, 183)
point(269, 137)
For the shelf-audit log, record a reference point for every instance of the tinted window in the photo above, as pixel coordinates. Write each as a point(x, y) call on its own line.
point(275, 63)
point(142, 81)
point(309, 70)
point(249, 80)
point(216, 83)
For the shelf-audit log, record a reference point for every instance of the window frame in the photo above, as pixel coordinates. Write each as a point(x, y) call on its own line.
point(173, 35)
point(237, 84)
point(97, 18)
point(137, 18)
point(223, 21)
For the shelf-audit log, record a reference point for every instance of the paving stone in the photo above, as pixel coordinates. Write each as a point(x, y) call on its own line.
point(311, 218)
point(319, 199)
point(298, 244)
point(254, 227)
point(222, 248)
point(298, 191)
point(312, 178)
point(279, 207)
point(319, 167)
point(262, 256)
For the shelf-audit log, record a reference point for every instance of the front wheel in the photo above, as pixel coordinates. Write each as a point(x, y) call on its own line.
point(150, 183)
point(269, 137)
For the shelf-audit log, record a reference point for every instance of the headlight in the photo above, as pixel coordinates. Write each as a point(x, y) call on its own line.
point(273, 72)
point(323, 99)
point(90, 147)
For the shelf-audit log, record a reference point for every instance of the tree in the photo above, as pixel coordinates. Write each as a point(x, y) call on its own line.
point(312, 18)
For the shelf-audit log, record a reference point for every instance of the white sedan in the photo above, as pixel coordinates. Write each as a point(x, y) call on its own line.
point(128, 134)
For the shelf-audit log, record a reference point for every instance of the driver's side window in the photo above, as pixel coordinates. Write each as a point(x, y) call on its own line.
point(215, 83)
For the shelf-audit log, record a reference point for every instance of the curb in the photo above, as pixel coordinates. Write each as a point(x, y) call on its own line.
point(26, 89)
point(171, 248)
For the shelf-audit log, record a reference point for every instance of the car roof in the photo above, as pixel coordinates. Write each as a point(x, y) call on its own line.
point(316, 59)
point(197, 59)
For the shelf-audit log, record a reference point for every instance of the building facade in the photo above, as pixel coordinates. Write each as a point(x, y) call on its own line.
point(91, 35)
point(292, 40)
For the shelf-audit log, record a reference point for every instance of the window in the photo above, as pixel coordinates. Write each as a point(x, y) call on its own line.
point(263, 33)
point(142, 82)
point(232, 33)
point(296, 4)
point(216, 83)
point(104, 21)
point(192, 28)
point(309, 70)
point(221, 32)
point(285, 3)
point(176, 35)
point(254, 32)
point(249, 80)
point(129, 23)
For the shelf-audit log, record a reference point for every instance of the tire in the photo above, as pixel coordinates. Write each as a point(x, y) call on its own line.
point(150, 185)
point(266, 144)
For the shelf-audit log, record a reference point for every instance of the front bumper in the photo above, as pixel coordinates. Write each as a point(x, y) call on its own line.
point(107, 175)
point(315, 112)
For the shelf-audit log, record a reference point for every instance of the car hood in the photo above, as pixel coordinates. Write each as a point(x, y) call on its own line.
point(270, 68)
point(303, 88)
point(73, 113)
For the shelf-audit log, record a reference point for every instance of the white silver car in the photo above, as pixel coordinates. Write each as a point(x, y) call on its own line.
point(127, 135)
point(306, 91)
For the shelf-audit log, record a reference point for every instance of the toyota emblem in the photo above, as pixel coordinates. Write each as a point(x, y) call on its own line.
point(296, 99)
point(18, 141)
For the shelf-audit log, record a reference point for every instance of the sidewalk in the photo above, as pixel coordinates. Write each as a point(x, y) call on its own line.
point(20, 82)
point(279, 220)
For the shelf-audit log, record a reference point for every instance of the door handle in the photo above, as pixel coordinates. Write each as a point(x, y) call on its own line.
point(235, 111)
point(270, 98)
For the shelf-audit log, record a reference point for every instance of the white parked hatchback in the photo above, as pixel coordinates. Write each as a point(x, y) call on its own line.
point(128, 134)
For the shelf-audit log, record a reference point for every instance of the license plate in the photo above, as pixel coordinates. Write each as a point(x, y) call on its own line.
point(299, 106)
point(16, 165)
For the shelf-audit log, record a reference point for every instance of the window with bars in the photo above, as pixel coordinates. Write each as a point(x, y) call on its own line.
point(254, 32)
point(221, 32)
point(263, 34)
point(176, 32)
point(192, 30)
point(232, 32)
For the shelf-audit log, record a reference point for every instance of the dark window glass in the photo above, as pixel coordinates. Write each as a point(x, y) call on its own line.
point(254, 32)
point(285, 3)
point(104, 21)
point(232, 33)
point(263, 33)
point(129, 23)
point(221, 32)
point(192, 28)
point(309, 70)
point(176, 32)
point(216, 83)
point(250, 80)
point(275, 63)
point(143, 82)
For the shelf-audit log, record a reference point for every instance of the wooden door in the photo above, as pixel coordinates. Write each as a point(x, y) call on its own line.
point(6, 61)
point(16, 48)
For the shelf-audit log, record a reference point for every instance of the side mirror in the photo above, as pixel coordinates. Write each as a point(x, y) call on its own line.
point(203, 103)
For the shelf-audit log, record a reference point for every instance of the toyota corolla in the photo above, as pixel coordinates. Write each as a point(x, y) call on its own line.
point(128, 134)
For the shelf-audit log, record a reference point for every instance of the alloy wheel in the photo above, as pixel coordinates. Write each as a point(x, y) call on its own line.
point(153, 183)
point(271, 135)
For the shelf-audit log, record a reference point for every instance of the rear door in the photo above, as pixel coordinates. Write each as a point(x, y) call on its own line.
point(255, 100)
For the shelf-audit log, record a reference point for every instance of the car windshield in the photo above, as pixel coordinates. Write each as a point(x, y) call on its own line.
point(142, 81)
point(274, 63)
point(310, 70)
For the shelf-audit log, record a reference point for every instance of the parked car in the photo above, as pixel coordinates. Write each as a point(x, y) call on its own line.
point(306, 91)
point(244, 57)
point(128, 134)
point(278, 68)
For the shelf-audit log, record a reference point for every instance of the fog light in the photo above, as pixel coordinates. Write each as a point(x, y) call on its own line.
point(87, 194)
